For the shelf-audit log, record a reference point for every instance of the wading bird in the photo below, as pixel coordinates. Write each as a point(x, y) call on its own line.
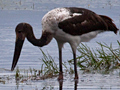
point(69, 24)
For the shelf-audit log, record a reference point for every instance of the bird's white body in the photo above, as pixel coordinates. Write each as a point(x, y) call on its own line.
point(50, 24)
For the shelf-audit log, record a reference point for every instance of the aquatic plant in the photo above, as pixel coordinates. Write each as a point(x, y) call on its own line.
point(2, 81)
point(50, 65)
point(102, 59)
point(18, 76)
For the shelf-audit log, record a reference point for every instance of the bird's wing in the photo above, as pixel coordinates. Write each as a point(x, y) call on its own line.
point(83, 22)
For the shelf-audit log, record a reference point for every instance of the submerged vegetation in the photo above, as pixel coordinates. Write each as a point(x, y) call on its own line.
point(103, 59)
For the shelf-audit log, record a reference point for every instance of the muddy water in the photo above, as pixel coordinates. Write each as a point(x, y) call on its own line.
point(16, 11)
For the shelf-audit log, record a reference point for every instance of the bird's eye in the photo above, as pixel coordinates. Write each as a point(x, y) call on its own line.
point(19, 31)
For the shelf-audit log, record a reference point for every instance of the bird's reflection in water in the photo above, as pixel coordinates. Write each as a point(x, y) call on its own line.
point(61, 85)
point(75, 86)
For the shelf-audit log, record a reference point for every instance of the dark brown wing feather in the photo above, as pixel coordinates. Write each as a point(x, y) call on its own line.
point(85, 23)
point(111, 25)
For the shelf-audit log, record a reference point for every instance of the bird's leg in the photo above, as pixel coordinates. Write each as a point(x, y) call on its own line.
point(75, 66)
point(60, 65)
point(75, 60)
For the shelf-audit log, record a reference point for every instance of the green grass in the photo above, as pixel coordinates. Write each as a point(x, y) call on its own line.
point(50, 67)
point(103, 59)
point(2, 81)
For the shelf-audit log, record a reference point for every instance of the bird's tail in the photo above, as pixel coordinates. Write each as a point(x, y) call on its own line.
point(110, 24)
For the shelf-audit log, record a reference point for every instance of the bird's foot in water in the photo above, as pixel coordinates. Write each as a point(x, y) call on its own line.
point(76, 77)
point(60, 78)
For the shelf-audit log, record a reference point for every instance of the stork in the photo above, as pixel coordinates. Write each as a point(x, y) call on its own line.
point(69, 24)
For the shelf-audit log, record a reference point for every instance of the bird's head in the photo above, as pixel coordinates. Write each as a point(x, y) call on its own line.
point(22, 30)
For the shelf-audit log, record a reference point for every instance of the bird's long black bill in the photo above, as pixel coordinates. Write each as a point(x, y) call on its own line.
point(18, 47)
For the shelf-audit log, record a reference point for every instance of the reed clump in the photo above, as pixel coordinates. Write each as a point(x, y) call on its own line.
point(103, 59)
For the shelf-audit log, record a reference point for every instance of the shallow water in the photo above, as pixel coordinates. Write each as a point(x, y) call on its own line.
point(16, 11)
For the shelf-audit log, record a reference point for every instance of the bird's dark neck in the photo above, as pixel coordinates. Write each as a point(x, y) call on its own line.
point(44, 40)
point(34, 41)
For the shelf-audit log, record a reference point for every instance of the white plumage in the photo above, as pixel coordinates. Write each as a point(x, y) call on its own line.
point(50, 24)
